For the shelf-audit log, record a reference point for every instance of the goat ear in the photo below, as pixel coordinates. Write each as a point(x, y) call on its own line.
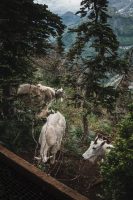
point(99, 135)
point(104, 138)
point(108, 141)
point(95, 142)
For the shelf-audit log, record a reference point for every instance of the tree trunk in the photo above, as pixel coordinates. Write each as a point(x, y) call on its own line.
point(6, 102)
point(85, 127)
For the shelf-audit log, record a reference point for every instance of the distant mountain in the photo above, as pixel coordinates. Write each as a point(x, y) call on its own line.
point(119, 4)
point(62, 6)
point(120, 23)
point(123, 28)
point(124, 7)
point(127, 10)
point(69, 18)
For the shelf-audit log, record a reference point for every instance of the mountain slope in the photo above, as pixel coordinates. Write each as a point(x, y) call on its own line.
point(122, 26)
point(69, 18)
point(119, 4)
point(61, 6)
point(124, 7)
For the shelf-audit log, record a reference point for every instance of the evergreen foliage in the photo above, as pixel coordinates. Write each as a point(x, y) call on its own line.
point(24, 32)
point(96, 31)
point(25, 29)
point(117, 169)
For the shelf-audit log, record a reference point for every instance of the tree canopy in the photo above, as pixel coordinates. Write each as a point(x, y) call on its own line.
point(25, 29)
point(97, 33)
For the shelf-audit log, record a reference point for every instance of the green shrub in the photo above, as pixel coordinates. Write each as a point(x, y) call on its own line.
point(105, 126)
point(117, 170)
point(72, 143)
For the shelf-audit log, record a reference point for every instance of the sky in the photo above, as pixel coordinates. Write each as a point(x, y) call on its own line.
point(61, 6)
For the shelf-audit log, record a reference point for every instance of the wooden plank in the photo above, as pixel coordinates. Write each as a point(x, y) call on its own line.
point(40, 178)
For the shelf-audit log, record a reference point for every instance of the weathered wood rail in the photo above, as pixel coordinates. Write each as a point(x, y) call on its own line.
point(43, 182)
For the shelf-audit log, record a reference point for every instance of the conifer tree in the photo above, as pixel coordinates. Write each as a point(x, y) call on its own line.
point(25, 28)
point(96, 32)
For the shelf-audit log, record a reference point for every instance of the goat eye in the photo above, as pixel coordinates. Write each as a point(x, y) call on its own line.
point(93, 147)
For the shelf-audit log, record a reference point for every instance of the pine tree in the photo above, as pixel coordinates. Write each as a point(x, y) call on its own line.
point(96, 32)
point(25, 28)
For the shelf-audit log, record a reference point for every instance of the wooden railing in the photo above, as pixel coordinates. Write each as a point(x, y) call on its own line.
point(30, 173)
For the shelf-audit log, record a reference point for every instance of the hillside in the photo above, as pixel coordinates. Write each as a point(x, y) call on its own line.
point(69, 18)
point(121, 24)
point(124, 7)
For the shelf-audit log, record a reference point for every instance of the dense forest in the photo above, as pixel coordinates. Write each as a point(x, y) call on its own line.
point(93, 95)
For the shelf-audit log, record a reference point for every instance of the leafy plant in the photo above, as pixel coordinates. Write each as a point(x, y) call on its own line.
point(117, 169)
point(73, 142)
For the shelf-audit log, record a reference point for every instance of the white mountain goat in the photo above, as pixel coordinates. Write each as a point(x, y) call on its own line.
point(27, 88)
point(39, 94)
point(51, 137)
point(97, 150)
point(31, 95)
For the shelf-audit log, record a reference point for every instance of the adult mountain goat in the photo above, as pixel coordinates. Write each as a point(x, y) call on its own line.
point(40, 94)
point(97, 149)
point(51, 137)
